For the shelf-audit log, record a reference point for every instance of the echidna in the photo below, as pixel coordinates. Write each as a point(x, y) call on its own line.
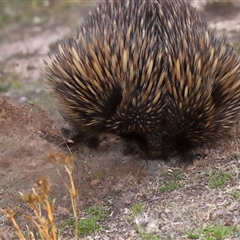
point(149, 71)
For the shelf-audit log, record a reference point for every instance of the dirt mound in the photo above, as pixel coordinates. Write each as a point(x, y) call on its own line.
point(24, 158)
point(23, 152)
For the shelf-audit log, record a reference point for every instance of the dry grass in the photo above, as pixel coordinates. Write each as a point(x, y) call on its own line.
point(38, 200)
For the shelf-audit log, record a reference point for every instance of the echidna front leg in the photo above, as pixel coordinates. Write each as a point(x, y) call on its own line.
point(164, 148)
point(152, 146)
point(175, 149)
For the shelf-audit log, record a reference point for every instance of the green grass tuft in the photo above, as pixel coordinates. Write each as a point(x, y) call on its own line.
point(214, 233)
point(90, 224)
point(172, 180)
point(217, 178)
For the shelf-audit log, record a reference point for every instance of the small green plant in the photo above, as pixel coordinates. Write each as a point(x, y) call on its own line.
point(9, 80)
point(214, 233)
point(193, 235)
point(170, 186)
point(101, 173)
point(67, 222)
point(172, 180)
point(90, 224)
point(4, 87)
point(96, 211)
point(144, 235)
point(217, 178)
point(236, 195)
point(137, 209)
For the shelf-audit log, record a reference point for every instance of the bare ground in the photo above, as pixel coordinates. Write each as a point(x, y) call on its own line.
point(108, 176)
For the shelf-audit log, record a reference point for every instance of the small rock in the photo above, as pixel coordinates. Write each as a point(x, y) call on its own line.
point(95, 182)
